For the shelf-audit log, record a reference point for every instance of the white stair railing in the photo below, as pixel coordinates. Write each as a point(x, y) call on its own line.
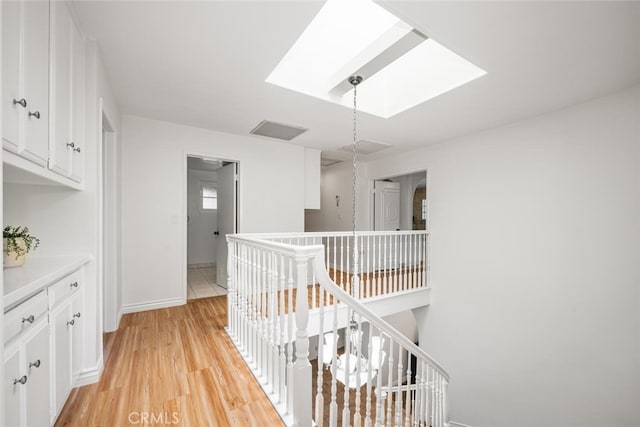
point(375, 375)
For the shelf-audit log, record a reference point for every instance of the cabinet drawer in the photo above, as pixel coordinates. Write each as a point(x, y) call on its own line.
point(21, 317)
point(64, 287)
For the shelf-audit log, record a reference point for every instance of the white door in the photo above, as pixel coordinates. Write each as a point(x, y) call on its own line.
point(387, 206)
point(227, 217)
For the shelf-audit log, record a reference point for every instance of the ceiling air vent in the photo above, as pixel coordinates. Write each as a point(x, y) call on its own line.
point(277, 130)
point(325, 161)
point(365, 147)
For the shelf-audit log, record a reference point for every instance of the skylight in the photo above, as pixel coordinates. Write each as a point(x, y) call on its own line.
point(401, 67)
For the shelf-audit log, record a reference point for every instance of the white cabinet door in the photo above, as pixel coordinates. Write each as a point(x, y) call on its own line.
point(77, 109)
point(27, 371)
point(62, 329)
point(36, 80)
point(25, 69)
point(13, 389)
point(77, 314)
point(38, 371)
point(12, 112)
point(61, 90)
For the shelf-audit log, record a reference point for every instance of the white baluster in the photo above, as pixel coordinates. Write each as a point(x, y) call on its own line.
point(290, 315)
point(320, 363)
point(346, 413)
point(390, 384)
point(333, 407)
point(367, 417)
point(283, 316)
point(398, 415)
point(408, 395)
point(273, 322)
point(385, 256)
point(357, 418)
point(379, 397)
point(264, 319)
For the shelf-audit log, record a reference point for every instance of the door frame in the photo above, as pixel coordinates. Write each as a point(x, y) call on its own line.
point(185, 205)
point(109, 279)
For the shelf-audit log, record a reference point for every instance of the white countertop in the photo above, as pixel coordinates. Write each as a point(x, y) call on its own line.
point(37, 273)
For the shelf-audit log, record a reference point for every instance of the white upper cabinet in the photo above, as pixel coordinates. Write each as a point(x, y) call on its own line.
point(25, 79)
point(67, 81)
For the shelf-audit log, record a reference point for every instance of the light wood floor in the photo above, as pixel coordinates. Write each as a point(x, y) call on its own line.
point(177, 366)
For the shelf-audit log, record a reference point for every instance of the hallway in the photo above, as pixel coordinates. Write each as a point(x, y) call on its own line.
point(173, 366)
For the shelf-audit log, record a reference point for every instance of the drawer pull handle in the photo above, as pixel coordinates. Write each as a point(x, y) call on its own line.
point(74, 285)
point(71, 322)
point(36, 114)
point(77, 149)
point(22, 380)
point(71, 144)
point(77, 315)
point(29, 319)
point(22, 102)
point(35, 364)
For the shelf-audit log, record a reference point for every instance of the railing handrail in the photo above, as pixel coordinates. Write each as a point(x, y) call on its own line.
point(331, 234)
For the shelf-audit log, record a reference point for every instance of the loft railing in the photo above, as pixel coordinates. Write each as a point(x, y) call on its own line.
point(365, 372)
point(388, 261)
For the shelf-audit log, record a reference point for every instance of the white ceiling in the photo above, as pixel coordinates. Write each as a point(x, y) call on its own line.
point(204, 64)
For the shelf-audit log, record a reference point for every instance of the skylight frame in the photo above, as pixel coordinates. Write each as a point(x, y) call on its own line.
point(347, 34)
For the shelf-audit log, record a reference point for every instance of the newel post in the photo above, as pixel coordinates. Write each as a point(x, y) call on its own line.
point(302, 368)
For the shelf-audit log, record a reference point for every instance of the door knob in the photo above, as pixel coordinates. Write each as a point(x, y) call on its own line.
point(22, 102)
point(22, 380)
point(35, 114)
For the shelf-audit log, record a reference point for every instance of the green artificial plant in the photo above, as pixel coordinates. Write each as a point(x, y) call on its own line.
point(18, 240)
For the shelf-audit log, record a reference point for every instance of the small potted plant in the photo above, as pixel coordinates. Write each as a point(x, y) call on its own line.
point(17, 243)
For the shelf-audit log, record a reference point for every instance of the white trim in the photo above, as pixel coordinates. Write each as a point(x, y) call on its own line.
point(154, 305)
point(90, 376)
point(453, 423)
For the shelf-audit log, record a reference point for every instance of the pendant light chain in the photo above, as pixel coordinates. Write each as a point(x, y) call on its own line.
point(355, 280)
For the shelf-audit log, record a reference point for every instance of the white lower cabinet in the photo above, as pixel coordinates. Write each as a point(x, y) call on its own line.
point(27, 378)
point(66, 342)
point(61, 332)
point(43, 352)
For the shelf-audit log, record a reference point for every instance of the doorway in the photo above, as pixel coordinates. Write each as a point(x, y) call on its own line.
point(212, 187)
point(400, 202)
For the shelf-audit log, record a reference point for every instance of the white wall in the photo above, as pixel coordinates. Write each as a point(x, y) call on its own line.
point(535, 267)
point(336, 180)
point(312, 178)
point(271, 197)
point(201, 241)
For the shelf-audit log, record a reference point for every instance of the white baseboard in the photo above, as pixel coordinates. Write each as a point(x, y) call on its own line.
point(154, 305)
point(119, 318)
point(90, 376)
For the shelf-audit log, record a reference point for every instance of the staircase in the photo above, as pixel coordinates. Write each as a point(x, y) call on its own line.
point(289, 291)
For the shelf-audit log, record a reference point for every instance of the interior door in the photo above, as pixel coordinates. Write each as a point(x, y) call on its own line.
point(387, 206)
point(227, 217)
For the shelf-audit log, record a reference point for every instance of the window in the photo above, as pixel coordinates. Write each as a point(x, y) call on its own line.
point(424, 209)
point(209, 195)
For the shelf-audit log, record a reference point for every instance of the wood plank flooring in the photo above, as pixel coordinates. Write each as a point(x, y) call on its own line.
point(173, 366)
